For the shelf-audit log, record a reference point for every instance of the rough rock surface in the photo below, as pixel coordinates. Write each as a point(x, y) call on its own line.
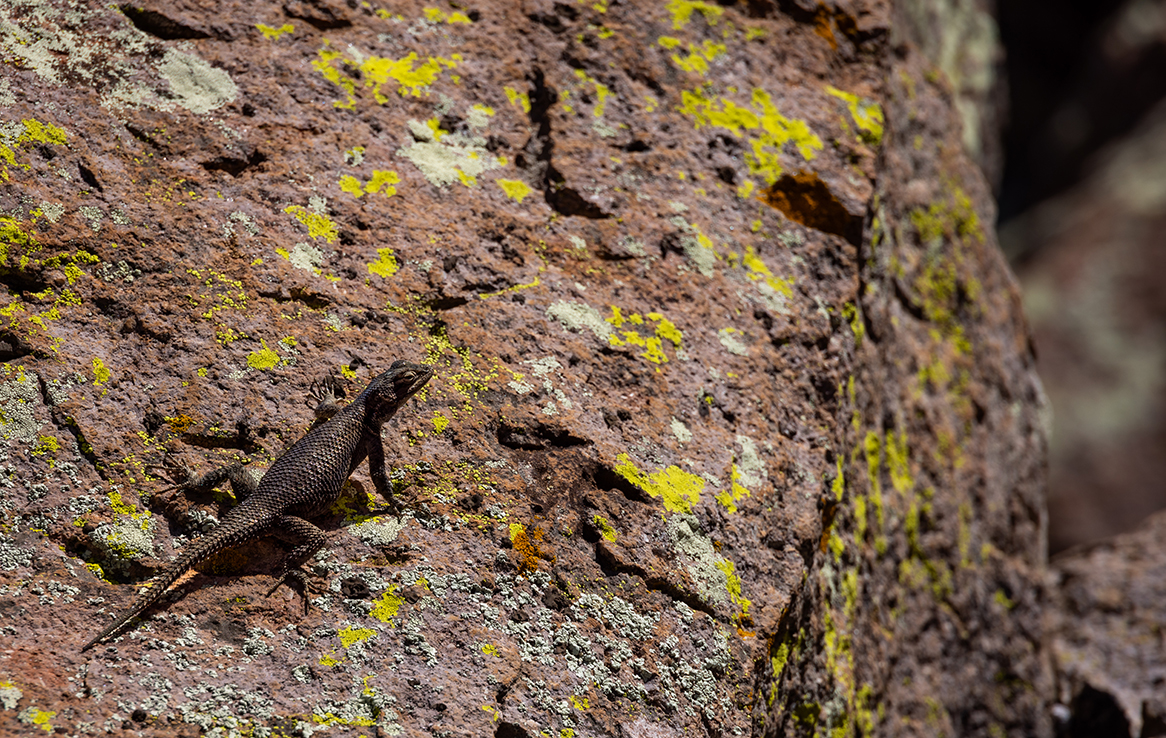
point(734, 423)
point(1107, 619)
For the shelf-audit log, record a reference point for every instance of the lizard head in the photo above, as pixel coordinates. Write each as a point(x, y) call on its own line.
point(391, 389)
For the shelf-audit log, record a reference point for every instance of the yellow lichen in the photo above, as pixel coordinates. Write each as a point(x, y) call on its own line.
point(678, 489)
point(867, 115)
point(319, 225)
point(272, 33)
point(766, 130)
point(515, 189)
point(385, 265)
point(388, 605)
point(262, 359)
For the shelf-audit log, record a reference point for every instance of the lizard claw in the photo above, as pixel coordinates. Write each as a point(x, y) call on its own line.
point(300, 578)
point(178, 474)
point(326, 390)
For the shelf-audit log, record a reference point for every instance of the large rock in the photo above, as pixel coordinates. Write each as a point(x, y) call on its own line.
point(734, 427)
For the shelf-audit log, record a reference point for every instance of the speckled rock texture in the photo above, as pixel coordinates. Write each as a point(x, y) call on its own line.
point(1108, 616)
point(734, 428)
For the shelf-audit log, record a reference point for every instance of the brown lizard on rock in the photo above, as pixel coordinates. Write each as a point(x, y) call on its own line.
point(301, 484)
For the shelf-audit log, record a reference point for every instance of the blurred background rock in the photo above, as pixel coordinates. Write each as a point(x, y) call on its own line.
point(1082, 193)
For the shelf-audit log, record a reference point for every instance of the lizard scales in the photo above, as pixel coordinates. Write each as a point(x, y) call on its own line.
point(300, 484)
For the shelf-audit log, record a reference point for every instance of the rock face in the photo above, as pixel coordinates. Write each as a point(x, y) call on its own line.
point(1107, 615)
point(734, 428)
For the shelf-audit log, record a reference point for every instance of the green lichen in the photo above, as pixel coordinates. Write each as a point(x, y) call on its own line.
point(515, 189)
point(653, 344)
point(100, 372)
point(263, 358)
point(319, 225)
point(436, 15)
point(518, 99)
point(410, 77)
point(866, 114)
point(388, 606)
point(37, 718)
point(955, 217)
point(872, 446)
point(272, 33)
point(678, 489)
point(605, 528)
point(682, 10)
point(385, 265)
point(698, 57)
point(765, 130)
point(352, 634)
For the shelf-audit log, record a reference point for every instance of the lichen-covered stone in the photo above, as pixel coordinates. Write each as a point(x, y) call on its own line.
point(732, 414)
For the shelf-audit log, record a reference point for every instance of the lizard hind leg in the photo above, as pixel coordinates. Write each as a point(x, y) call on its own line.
point(307, 539)
point(183, 478)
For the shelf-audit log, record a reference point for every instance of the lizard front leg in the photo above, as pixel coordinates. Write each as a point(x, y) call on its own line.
point(379, 473)
point(324, 398)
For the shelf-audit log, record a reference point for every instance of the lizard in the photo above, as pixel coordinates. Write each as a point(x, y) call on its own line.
point(301, 484)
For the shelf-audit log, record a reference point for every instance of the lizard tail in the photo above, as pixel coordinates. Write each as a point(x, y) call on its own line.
point(229, 533)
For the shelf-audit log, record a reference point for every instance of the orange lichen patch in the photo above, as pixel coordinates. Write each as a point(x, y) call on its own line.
point(806, 199)
point(525, 543)
point(825, 28)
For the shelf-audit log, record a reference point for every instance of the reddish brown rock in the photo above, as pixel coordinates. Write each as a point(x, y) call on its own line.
point(733, 428)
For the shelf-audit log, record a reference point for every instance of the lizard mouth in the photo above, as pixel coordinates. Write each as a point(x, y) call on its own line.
point(415, 379)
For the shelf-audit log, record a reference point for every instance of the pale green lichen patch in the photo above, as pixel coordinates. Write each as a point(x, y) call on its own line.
point(10, 695)
point(18, 398)
point(128, 538)
point(679, 490)
point(194, 83)
point(577, 316)
point(747, 473)
point(706, 567)
point(866, 114)
point(729, 338)
point(444, 158)
point(775, 291)
point(378, 531)
point(698, 248)
point(77, 45)
point(304, 256)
